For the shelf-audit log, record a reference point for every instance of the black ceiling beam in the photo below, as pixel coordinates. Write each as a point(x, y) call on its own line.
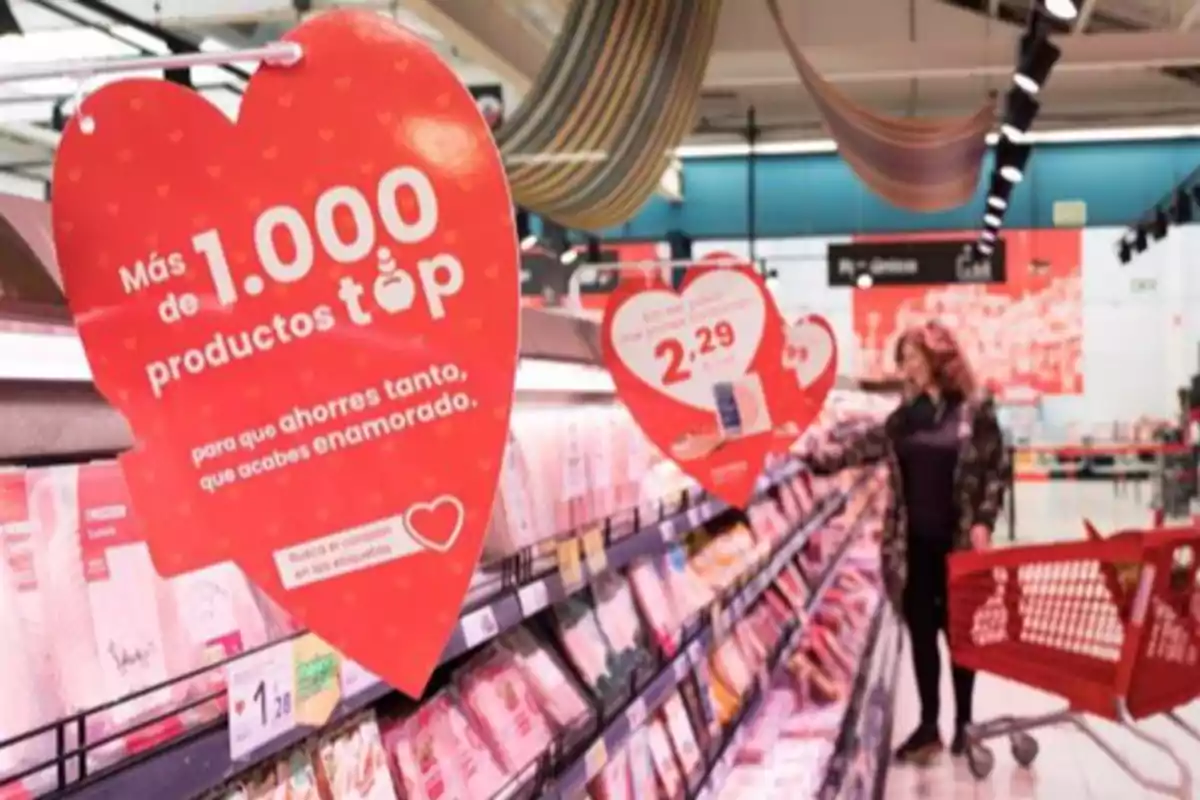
point(1099, 22)
point(174, 42)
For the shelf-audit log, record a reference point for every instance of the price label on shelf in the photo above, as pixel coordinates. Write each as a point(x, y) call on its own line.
point(593, 550)
point(702, 371)
point(595, 758)
point(533, 598)
point(479, 626)
point(355, 678)
point(666, 530)
point(236, 287)
point(635, 715)
point(570, 563)
point(682, 667)
point(260, 689)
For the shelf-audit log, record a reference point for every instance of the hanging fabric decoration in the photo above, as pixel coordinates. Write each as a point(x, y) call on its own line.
point(616, 96)
point(922, 165)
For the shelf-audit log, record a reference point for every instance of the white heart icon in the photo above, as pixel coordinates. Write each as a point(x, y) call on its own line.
point(809, 350)
point(681, 344)
point(429, 543)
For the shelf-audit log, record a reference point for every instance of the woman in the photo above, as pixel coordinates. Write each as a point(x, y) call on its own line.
point(946, 457)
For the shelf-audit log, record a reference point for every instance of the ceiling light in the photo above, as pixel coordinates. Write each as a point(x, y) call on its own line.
point(529, 242)
point(1020, 111)
point(864, 281)
point(1061, 9)
point(988, 236)
point(998, 203)
point(1038, 56)
point(569, 257)
point(998, 192)
point(985, 248)
point(991, 220)
point(1012, 174)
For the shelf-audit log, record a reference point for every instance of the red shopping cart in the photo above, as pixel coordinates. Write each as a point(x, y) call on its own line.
point(1108, 624)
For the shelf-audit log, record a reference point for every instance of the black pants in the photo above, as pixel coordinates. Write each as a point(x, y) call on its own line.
point(925, 611)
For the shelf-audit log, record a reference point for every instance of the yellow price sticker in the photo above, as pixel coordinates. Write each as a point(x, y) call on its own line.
point(596, 758)
point(570, 562)
point(317, 670)
point(593, 550)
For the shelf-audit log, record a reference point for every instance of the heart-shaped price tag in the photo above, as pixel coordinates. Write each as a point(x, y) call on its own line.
point(702, 372)
point(310, 319)
point(810, 351)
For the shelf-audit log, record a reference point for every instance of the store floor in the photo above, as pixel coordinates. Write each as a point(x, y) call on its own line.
point(1070, 765)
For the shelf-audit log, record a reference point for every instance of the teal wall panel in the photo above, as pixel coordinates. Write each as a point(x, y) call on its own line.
point(807, 195)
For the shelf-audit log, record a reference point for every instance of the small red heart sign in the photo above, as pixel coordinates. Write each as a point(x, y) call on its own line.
point(810, 351)
point(307, 316)
point(702, 372)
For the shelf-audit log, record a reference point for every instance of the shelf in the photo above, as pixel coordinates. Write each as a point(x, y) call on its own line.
point(722, 761)
point(572, 780)
point(200, 761)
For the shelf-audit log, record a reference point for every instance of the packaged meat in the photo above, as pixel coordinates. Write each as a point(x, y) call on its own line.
point(516, 522)
point(293, 777)
point(557, 694)
point(586, 646)
point(352, 763)
point(642, 776)
point(651, 593)
point(617, 614)
point(503, 708)
point(671, 781)
point(437, 755)
point(683, 737)
point(613, 782)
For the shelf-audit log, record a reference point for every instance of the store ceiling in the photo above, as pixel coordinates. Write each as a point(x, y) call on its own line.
point(1127, 62)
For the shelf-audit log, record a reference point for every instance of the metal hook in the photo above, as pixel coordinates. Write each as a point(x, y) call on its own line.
point(87, 124)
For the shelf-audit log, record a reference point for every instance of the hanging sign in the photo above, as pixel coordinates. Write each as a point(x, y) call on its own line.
point(810, 352)
point(309, 318)
point(909, 263)
point(702, 371)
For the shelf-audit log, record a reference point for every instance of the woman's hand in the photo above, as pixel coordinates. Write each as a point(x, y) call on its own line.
point(981, 537)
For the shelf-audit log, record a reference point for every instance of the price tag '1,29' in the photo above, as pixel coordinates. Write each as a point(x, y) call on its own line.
point(260, 688)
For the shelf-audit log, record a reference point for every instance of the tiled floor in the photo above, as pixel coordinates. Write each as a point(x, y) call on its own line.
point(1070, 765)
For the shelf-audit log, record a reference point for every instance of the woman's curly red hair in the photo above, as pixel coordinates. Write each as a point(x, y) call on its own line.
point(951, 372)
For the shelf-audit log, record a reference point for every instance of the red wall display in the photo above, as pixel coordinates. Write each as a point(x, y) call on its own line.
point(1025, 334)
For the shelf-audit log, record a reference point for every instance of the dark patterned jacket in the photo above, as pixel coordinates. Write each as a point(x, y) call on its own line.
point(980, 480)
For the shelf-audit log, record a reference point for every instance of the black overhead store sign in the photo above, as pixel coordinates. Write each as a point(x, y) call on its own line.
point(914, 263)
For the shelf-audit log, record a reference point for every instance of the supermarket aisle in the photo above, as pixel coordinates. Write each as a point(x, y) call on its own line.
point(1070, 764)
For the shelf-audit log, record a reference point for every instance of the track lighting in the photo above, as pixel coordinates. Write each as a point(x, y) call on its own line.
point(1038, 56)
point(1140, 242)
point(529, 242)
point(1019, 114)
point(1011, 158)
point(1124, 252)
point(991, 220)
point(595, 253)
point(1065, 10)
point(998, 192)
point(988, 235)
point(570, 257)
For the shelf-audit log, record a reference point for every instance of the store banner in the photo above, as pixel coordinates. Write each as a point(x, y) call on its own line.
point(489, 98)
point(913, 263)
point(309, 318)
point(702, 371)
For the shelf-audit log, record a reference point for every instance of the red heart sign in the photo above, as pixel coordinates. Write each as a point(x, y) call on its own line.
point(811, 353)
point(701, 370)
point(309, 318)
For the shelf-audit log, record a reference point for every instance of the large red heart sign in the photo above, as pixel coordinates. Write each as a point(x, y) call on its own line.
point(701, 370)
point(810, 351)
point(310, 319)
